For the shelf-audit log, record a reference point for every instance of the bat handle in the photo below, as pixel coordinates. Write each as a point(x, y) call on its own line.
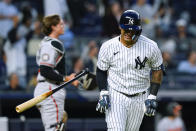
point(85, 71)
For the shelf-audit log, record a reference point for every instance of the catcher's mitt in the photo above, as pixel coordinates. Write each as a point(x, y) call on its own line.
point(89, 81)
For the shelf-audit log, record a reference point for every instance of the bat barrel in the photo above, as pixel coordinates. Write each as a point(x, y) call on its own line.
point(22, 107)
point(30, 103)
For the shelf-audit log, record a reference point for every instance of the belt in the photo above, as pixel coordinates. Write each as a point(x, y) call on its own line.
point(133, 95)
point(53, 82)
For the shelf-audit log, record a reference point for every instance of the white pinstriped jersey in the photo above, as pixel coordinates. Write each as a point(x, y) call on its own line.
point(129, 68)
point(48, 55)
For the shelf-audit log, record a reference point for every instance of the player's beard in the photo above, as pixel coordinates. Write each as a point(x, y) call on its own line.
point(128, 39)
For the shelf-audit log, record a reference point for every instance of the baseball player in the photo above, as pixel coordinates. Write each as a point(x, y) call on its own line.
point(173, 121)
point(123, 76)
point(51, 61)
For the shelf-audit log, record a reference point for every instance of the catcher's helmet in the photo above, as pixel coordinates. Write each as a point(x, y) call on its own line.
point(130, 20)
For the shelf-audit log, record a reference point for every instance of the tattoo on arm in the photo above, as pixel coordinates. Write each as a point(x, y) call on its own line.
point(156, 81)
point(157, 76)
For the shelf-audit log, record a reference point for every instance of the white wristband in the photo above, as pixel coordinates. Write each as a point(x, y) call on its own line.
point(152, 96)
point(104, 92)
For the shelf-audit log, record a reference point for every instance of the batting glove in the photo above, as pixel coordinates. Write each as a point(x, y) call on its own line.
point(104, 101)
point(151, 105)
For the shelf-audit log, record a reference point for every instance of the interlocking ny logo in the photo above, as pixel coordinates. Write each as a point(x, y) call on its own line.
point(141, 64)
point(131, 21)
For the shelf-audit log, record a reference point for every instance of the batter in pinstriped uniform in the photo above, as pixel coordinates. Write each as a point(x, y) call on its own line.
point(51, 61)
point(123, 76)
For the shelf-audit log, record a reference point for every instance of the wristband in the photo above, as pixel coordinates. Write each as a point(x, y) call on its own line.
point(104, 92)
point(154, 87)
point(152, 97)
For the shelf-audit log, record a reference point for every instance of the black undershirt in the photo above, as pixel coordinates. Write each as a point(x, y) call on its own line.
point(49, 73)
point(101, 77)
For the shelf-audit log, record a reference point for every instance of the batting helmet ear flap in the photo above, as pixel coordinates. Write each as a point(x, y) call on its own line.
point(136, 35)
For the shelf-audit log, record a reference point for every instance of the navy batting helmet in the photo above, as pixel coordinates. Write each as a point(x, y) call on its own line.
point(130, 20)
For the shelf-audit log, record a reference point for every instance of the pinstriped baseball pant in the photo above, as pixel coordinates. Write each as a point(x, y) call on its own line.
point(125, 113)
point(51, 108)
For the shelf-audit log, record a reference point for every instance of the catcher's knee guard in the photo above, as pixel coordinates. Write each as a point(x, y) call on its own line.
point(65, 117)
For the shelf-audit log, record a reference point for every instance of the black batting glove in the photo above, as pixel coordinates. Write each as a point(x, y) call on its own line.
point(104, 102)
point(150, 106)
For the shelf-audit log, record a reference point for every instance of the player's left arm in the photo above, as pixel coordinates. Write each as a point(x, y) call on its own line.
point(158, 70)
point(156, 80)
point(157, 75)
point(151, 103)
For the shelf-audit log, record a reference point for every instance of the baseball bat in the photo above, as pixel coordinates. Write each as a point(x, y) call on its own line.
point(32, 102)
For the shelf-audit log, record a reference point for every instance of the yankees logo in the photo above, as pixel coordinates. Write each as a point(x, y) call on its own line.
point(141, 64)
point(131, 21)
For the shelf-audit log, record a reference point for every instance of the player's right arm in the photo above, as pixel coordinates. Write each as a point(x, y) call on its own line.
point(102, 67)
point(101, 77)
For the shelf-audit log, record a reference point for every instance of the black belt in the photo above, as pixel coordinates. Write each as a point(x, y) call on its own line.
point(56, 83)
point(133, 95)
